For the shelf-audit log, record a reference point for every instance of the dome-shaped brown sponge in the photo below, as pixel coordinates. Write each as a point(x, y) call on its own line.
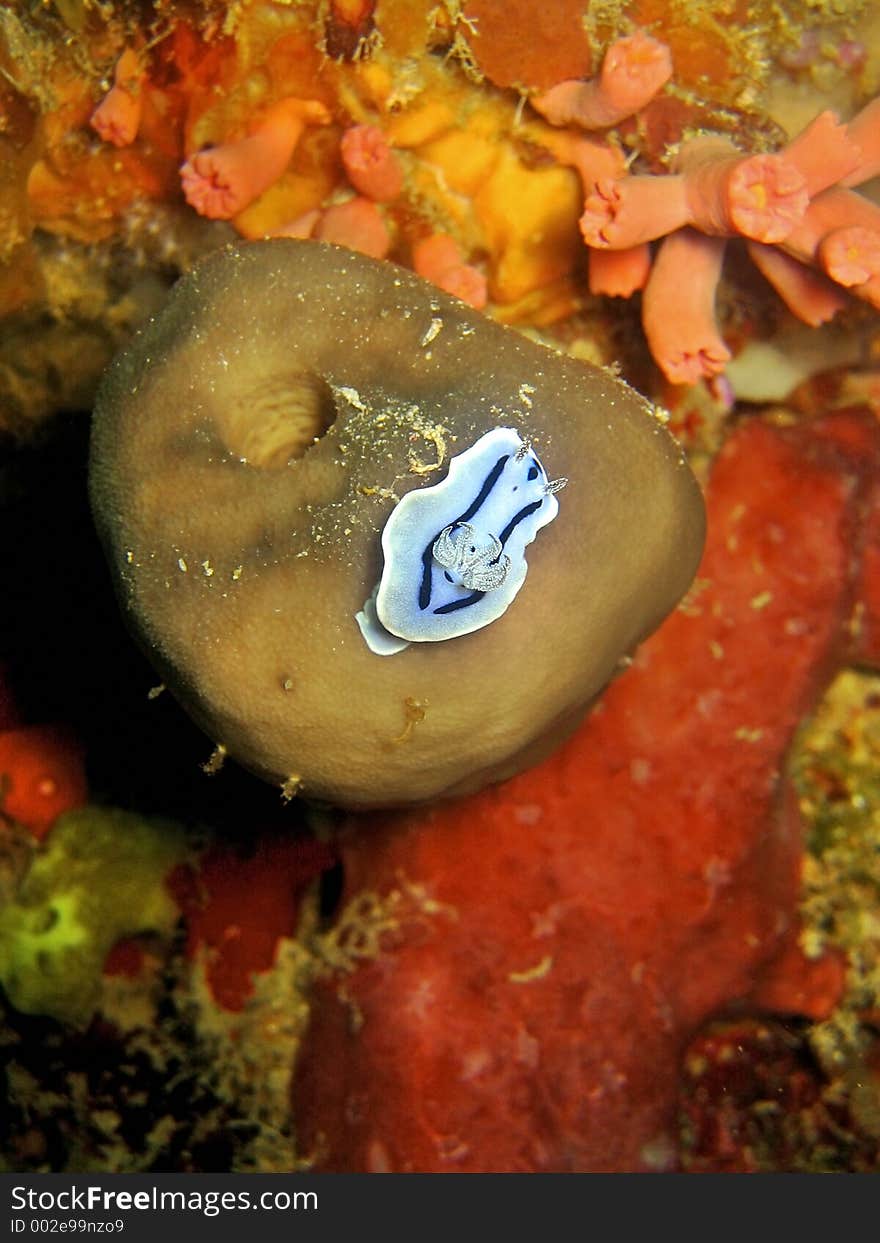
point(247, 451)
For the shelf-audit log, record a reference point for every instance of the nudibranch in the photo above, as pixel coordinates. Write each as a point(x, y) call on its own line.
point(301, 423)
point(455, 552)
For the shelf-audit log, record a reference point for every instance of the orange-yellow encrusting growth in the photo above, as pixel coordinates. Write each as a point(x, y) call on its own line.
point(443, 125)
point(222, 181)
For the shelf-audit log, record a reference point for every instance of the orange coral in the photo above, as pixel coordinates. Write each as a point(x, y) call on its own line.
point(841, 232)
point(807, 294)
point(633, 70)
point(679, 315)
point(358, 224)
point(370, 164)
point(438, 258)
point(477, 165)
point(219, 182)
point(759, 196)
point(850, 255)
point(118, 115)
point(864, 130)
point(592, 158)
point(767, 198)
point(620, 273)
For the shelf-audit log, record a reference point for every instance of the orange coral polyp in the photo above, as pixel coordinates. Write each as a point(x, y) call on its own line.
point(764, 197)
point(222, 181)
point(620, 273)
point(370, 164)
point(117, 117)
point(850, 256)
point(626, 212)
point(840, 232)
point(808, 295)
point(761, 197)
point(678, 309)
point(824, 153)
point(439, 259)
point(864, 130)
point(357, 224)
point(635, 68)
point(592, 159)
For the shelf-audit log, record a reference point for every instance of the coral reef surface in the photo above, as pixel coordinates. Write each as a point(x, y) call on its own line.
point(660, 948)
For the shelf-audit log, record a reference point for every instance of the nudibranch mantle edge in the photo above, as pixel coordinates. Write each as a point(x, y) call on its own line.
point(454, 553)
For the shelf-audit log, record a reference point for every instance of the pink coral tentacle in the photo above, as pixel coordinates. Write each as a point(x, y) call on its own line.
point(358, 223)
point(117, 117)
point(811, 297)
point(593, 159)
point(222, 181)
point(823, 153)
point(864, 130)
point(850, 256)
point(678, 307)
point(633, 70)
point(370, 164)
point(439, 259)
point(716, 190)
point(619, 273)
point(626, 212)
point(856, 221)
point(761, 197)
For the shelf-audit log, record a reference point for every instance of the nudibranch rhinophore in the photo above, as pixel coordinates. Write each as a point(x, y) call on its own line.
point(311, 460)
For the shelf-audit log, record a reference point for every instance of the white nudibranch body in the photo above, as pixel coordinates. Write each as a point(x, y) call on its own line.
point(455, 552)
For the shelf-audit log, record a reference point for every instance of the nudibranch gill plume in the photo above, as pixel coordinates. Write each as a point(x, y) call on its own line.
point(454, 553)
point(301, 423)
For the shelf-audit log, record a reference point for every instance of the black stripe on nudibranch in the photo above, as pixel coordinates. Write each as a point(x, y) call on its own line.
point(517, 519)
point(488, 484)
point(425, 584)
point(463, 603)
point(428, 555)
